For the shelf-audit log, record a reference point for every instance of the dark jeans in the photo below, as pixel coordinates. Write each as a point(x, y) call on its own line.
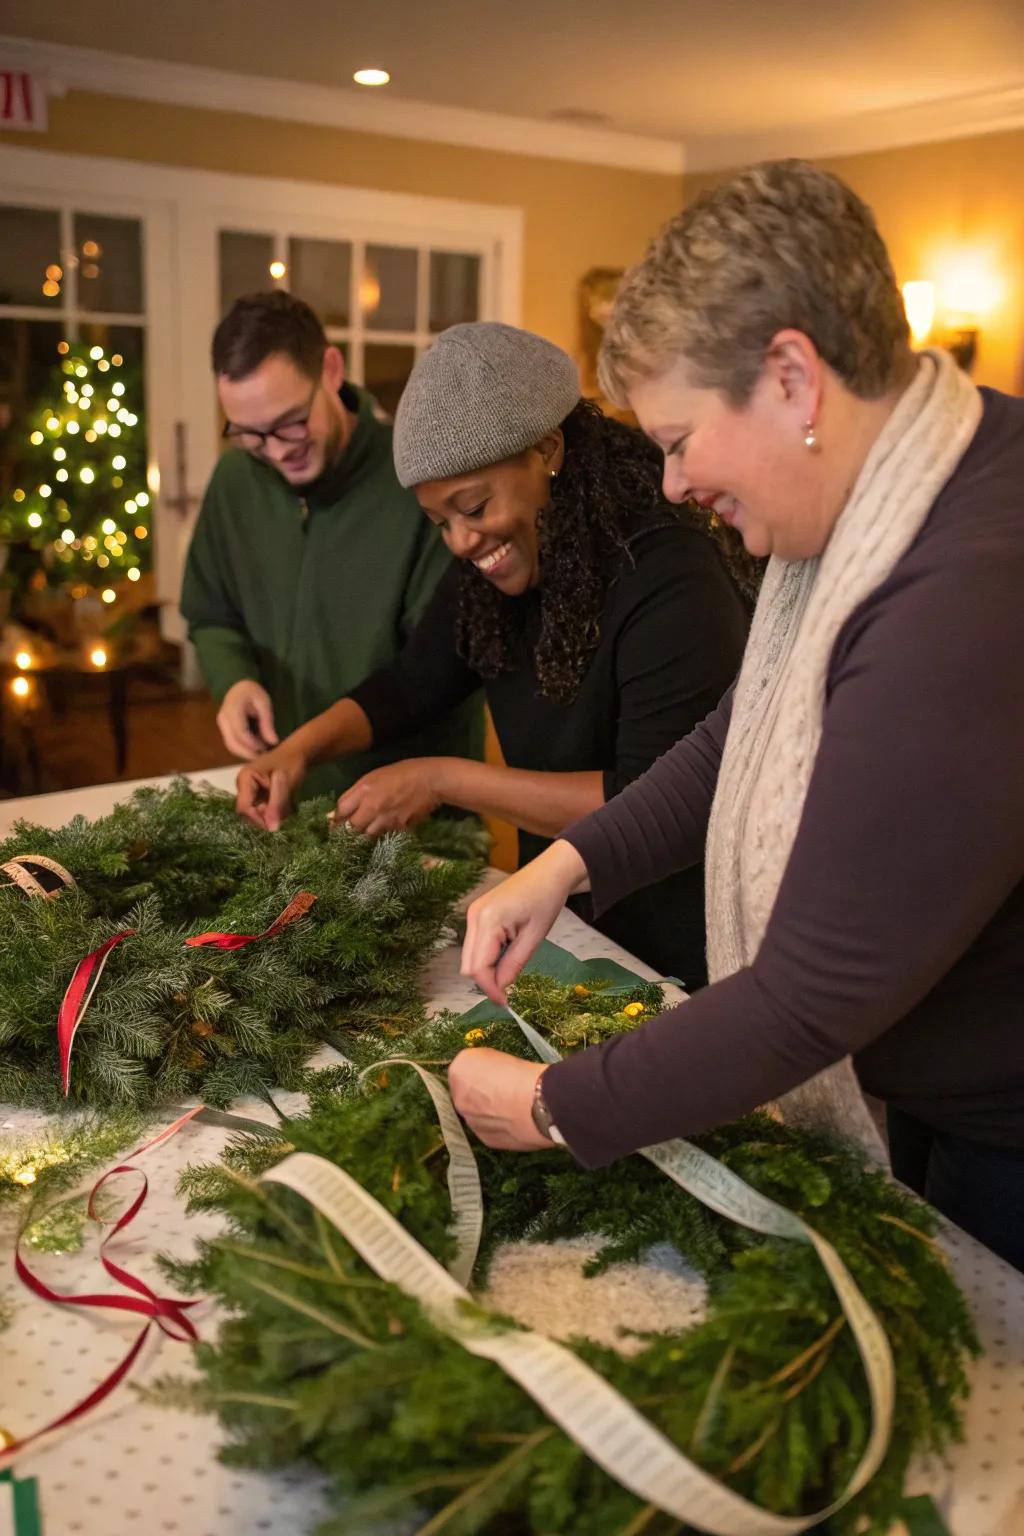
point(978, 1186)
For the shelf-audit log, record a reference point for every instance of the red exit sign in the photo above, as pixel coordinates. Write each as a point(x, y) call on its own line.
point(22, 101)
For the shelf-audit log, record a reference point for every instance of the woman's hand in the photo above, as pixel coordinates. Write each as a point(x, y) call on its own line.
point(504, 927)
point(494, 1095)
point(394, 797)
point(266, 787)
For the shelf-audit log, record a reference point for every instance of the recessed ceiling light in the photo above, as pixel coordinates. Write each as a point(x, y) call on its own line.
point(371, 77)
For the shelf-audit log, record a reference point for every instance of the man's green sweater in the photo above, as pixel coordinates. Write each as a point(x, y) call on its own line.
point(309, 592)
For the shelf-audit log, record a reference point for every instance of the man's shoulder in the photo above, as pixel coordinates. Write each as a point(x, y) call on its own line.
point(237, 472)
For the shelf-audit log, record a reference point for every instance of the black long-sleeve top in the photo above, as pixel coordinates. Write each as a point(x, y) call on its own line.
point(898, 931)
point(671, 637)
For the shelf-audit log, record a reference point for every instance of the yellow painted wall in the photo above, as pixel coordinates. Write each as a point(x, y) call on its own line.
point(576, 216)
point(944, 206)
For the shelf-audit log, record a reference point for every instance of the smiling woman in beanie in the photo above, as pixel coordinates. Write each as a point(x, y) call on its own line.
point(603, 623)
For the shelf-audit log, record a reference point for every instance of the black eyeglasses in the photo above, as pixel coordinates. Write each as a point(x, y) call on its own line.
point(292, 431)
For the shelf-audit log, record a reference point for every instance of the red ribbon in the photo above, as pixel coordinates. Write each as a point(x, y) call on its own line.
point(88, 972)
point(297, 907)
point(167, 1312)
point(77, 999)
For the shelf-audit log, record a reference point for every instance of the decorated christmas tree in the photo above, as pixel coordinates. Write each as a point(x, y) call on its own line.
point(79, 514)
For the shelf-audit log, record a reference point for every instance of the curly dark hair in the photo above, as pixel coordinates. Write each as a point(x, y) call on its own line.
point(610, 473)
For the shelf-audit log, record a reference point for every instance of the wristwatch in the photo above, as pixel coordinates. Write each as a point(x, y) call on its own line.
point(542, 1115)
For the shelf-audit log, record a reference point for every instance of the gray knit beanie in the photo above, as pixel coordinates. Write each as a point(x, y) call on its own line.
point(483, 393)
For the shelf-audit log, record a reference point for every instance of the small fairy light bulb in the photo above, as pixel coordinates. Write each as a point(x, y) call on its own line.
point(68, 536)
point(20, 687)
point(277, 270)
point(23, 660)
point(95, 353)
point(72, 427)
point(35, 439)
point(86, 475)
point(134, 574)
point(98, 656)
point(52, 423)
point(35, 520)
point(117, 389)
point(118, 461)
point(108, 525)
point(26, 1175)
point(60, 454)
point(109, 595)
point(142, 499)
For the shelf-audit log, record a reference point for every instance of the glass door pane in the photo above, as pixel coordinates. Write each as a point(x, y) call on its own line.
point(454, 289)
point(385, 371)
point(108, 252)
point(387, 289)
point(30, 261)
point(244, 265)
point(320, 272)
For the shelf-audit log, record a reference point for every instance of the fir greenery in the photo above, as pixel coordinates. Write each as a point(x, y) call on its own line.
point(168, 1021)
point(320, 1361)
point(36, 1173)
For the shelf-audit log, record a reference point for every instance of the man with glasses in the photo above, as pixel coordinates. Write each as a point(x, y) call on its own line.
point(309, 564)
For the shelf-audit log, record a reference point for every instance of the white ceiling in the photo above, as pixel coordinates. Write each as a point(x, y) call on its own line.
point(687, 71)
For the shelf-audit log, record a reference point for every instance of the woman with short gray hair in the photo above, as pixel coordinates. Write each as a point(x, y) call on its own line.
point(858, 795)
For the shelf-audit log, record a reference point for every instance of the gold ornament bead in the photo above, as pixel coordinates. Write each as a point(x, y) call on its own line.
point(474, 1036)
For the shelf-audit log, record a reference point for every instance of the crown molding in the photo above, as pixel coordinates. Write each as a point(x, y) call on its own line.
point(928, 122)
point(69, 68)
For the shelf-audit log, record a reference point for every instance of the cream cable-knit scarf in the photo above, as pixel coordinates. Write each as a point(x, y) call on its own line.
point(779, 702)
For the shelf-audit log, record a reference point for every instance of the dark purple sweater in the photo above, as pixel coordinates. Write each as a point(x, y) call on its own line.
point(898, 930)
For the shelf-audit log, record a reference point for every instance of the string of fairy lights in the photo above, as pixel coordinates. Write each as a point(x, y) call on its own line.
point(81, 512)
point(89, 502)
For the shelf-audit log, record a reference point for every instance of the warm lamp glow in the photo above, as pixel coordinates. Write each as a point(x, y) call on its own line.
point(970, 289)
point(369, 292)
point(23, 660)
point(20, 687)
point(98, 657)
point(919, 303)
point(371, 77)
point(277, 270)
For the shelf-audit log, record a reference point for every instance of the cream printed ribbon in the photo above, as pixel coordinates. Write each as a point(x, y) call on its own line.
point(602, 1422)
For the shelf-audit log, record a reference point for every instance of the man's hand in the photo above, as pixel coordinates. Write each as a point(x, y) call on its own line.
point(494, 1095)
point(265, 788)
point(246, 719)
point(393, 797)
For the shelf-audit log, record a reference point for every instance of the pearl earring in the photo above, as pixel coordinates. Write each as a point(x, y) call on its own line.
point(810, 437)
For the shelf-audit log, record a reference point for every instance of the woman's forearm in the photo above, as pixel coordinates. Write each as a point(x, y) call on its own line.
point(541, 803)
point(340, 731)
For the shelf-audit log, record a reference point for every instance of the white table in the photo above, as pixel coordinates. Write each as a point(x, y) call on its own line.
point(133, 1470)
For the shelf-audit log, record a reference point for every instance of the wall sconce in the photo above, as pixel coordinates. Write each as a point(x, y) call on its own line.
point(960, 333)
point(919, 303)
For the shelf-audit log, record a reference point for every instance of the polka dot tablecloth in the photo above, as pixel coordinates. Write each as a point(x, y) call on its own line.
point(137, 1470)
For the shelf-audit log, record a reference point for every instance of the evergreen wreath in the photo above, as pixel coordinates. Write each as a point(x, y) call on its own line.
point(169, 1021)
point(319, 1361)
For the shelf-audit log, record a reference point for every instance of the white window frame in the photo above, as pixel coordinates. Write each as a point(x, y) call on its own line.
point(182, 212)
